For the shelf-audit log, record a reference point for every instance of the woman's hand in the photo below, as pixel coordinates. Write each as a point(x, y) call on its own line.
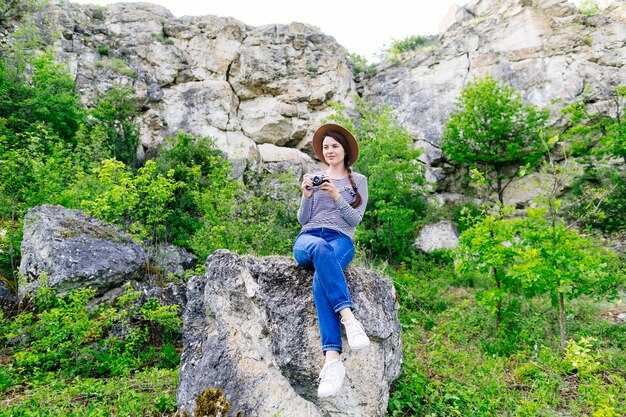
point(307, 187)
point(330, 188)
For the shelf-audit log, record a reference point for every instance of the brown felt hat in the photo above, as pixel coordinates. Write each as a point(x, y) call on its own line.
point(322, 131)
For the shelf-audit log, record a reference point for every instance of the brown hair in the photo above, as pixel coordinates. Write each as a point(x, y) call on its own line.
point(346, 163)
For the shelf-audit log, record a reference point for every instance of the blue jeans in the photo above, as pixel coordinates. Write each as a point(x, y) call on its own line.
point(328, 252)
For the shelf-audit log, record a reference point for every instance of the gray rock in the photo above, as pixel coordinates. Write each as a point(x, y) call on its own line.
point(205, 75)
point(250, 328)
point(167, 259)
point(545, 49)
point(76, 250)
point(442, 235)
point(8, 300)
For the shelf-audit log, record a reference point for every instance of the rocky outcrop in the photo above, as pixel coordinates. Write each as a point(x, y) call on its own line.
point(547, 50)
point(250, 328)
point(261, 91)
point(207, 76)
point(442, 235)
point(73, 250)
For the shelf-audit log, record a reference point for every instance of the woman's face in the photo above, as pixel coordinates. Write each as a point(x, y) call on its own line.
point(333, 151)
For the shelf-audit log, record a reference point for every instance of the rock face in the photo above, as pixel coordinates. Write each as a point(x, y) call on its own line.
point(250, 328)
point(261, 91)
point(442, 235)
point(545, 49)
point(207, 76)
point(76, 250)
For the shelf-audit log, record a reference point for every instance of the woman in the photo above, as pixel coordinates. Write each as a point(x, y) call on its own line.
point(332, 206)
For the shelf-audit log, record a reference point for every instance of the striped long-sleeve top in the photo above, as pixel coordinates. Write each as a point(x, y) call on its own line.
point(321, 211)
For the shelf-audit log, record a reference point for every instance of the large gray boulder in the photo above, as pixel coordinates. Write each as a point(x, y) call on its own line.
point(250, 328)
point(75, 250)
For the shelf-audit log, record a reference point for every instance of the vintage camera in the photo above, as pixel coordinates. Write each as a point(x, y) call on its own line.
point(318, 179)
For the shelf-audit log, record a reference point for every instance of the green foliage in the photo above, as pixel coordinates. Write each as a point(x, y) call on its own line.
point(149, 392)
point(213, 211)
point(494, 131)
point(110, 131)
point(207, 197)
point(589, 8)
point(599, 200)
point(34, 169)
point(596, 136)
point(43, 98)
point(103, 49)
point(410, 43)
point(455, 364)
point(487, 249)
point(602, 132)
point(16, 9)
point(67, 357)
point(556, 260)
point(39, 115)
point(539, 254)
point(140, 201)
point(360, 65)
point(64, 335)
point(389, 161)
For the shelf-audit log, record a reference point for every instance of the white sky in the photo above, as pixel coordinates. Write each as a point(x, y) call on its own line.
point(361, 27)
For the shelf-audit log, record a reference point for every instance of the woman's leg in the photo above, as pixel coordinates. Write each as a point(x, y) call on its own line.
point(330, 290)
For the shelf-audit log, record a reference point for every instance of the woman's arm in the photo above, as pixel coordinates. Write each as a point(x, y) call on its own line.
point(305, 210)
point(353, 216)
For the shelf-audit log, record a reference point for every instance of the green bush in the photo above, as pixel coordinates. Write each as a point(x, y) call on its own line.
point(360, 65)
point(589, 8)
point(455, 364)
point(410, 43)
point(62, 334)
point(494, 131)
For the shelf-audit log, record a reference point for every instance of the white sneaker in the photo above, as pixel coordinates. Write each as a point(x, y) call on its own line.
point(331, 378)
point(357, 339)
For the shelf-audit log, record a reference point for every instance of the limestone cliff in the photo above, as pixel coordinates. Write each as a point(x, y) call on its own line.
point(546, 49)
point(261, 91)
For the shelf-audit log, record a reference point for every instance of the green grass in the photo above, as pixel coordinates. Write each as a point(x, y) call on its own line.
point(455, 364)
point(150, 392)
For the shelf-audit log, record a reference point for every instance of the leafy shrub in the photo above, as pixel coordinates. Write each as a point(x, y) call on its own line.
point(137, 201)
point(63, 335)
point(410, 43)
point(599, 200)
point(454, 363)
point(103, 49)
point(589, 8)
point(360, 65)
point(492, 130)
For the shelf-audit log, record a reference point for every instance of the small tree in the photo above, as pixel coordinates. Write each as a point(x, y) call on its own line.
point(487, 248)
point(494, 131)
point(114, 115)
point(554, 259)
